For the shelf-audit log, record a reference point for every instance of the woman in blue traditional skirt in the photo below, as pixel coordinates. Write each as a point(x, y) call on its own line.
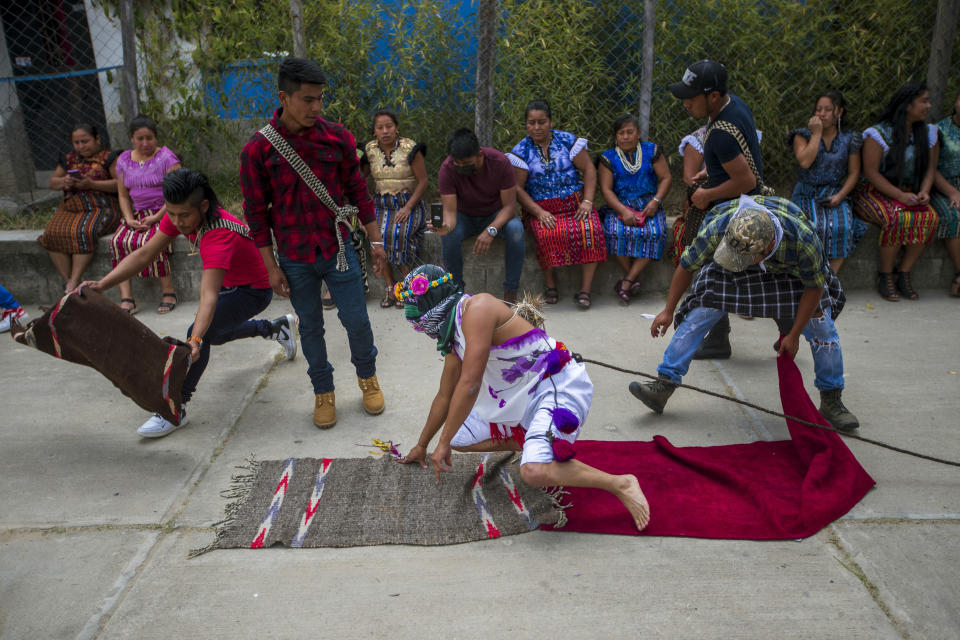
point(634, 180)
point(829, 159)
point(400, 173)
point(946, 198)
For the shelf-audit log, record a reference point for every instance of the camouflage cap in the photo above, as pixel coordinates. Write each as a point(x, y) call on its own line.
point(748, 236)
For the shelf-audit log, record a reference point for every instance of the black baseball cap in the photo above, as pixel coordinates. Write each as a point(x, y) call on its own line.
point(701, 77)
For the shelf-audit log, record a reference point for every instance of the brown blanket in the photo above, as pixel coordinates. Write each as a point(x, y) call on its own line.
point(90, 330)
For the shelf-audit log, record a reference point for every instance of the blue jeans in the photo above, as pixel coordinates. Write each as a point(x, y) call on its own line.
point(346, 288)
point(7, 300)
point(231, 321)
point(821, 333)
point(470, 226)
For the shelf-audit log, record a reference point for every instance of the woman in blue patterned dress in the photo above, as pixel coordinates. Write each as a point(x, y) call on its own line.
point(558, 203)
point(946, 198)
point(634, 180)
point(829, 159)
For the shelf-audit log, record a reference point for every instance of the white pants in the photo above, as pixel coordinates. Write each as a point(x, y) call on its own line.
point(570, 388)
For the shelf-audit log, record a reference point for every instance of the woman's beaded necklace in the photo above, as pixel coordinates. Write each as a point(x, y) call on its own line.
point(631, 167)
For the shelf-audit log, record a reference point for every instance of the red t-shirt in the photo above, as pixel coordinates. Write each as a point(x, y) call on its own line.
point(478, 194)
point(224, 249)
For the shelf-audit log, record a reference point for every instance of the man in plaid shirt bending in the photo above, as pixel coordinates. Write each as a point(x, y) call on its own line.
point(757, 257)
point(277, 199)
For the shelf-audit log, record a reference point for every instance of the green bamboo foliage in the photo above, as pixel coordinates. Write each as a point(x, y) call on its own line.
point(416, 57)
point(781, 56)
point(562, 51)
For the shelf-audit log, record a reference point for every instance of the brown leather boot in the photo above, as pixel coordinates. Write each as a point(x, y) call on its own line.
point(324, 411)
point(373, 402)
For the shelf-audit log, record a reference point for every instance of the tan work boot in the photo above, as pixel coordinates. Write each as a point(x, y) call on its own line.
point(324, 411)
point(373, 402)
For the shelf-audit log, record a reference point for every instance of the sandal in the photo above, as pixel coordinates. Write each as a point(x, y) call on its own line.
point(167, 307)
point(955, 286)
point(582, 298)
point(623, 292)
point(887, 287)
point(388, 298)
point(906, 288)
point(635, 288)
point(551, 295)
point(130, 310)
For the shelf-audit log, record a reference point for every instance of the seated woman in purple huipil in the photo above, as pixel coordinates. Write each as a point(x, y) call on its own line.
point(139, 173)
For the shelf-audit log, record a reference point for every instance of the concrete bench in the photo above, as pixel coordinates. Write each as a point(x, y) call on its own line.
point(26, 270)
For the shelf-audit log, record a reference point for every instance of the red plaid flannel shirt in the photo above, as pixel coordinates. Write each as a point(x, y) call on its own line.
point(276, 198)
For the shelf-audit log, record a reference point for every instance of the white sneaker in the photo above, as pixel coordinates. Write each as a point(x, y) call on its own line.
point(284, 331)
point(158, 426)
point(9, 315)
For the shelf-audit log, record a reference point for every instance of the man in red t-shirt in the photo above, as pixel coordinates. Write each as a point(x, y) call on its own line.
point(234, 286)
point(479, 195)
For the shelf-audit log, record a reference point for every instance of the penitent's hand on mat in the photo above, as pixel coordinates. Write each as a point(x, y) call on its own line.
point(443, 454)
point(418, 454)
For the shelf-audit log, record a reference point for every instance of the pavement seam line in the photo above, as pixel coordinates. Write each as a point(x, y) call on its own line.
point(759, 430)
point(848, 562)
point(906, 518)
point(109, 603)
point(15, 533)
point(226, 434)
point(167, 526)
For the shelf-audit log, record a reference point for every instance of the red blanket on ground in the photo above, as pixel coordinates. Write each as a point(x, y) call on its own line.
point(757, 491)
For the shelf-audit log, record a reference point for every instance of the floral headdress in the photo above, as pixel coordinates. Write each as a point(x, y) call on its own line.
point(418, 285)
point(429, 294)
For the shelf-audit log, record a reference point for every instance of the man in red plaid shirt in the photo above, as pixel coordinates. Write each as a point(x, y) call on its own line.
point(277, 199)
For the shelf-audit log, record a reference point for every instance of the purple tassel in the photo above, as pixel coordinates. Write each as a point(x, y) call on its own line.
point(564, 420)
point(555, 361)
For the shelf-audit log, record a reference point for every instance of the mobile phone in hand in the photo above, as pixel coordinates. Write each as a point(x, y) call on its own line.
point(74, 173)
point(436, 215)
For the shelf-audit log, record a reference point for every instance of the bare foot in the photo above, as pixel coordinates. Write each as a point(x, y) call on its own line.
point(70, 286)
point(633, 499)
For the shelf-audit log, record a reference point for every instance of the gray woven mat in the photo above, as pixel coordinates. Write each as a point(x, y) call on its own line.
point(346, 502)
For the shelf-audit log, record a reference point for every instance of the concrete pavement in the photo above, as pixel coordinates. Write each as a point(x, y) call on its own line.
point(95, 523)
